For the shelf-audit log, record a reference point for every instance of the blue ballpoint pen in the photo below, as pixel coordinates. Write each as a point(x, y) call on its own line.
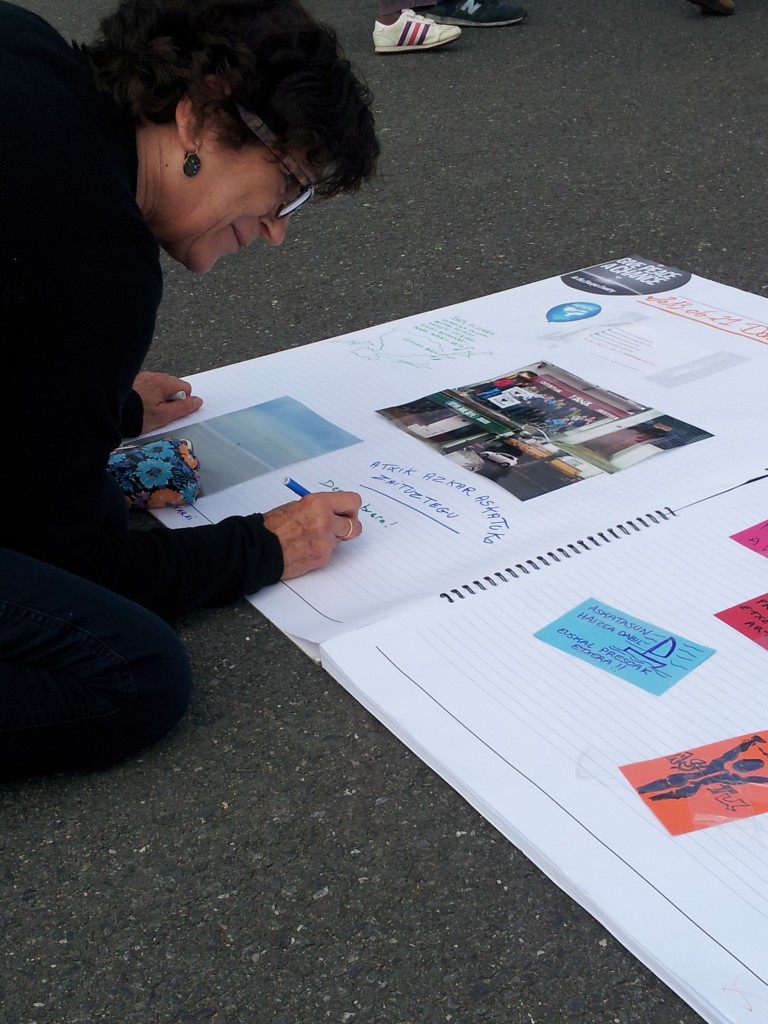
point(295, 487)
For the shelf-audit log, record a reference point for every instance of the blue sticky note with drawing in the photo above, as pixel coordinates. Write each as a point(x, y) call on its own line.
point(628, 647)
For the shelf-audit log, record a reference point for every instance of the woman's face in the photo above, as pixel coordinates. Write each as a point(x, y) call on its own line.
point(231, 201)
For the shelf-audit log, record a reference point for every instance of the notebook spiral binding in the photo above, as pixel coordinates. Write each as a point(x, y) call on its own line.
point(530, 565)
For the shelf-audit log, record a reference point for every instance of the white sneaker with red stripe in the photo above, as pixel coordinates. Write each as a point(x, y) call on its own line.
point(412, 32)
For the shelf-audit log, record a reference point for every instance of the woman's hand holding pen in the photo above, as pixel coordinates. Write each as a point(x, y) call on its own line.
point(310, 529)
point(165, 398)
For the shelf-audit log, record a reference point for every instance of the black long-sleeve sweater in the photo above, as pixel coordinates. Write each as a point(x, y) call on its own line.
point(80, 284)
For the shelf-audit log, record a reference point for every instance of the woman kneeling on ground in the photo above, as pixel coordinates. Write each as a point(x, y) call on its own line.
point(197, 126)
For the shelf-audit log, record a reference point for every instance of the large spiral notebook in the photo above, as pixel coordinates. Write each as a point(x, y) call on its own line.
point(551, 479)
point(610, 717)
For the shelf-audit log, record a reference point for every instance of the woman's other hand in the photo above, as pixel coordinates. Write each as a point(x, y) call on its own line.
point(309, 529)
point(158, 393)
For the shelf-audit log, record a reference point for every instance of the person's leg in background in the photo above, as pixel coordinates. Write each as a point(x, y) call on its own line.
point(87, 677)
point(400, 29)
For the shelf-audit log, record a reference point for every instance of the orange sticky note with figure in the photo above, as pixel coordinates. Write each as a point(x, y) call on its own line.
point(705, 786)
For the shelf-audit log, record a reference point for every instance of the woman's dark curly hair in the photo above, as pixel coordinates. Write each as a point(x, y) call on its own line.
point(271, 56)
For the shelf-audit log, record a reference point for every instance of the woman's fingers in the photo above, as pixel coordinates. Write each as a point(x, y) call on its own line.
point(310, 529)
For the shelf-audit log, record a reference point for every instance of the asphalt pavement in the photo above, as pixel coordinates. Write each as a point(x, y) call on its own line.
point(281, 858)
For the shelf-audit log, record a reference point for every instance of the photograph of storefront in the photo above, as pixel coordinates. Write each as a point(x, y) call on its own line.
point(540, 428)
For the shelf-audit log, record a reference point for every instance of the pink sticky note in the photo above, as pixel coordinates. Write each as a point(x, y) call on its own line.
point(754, 537)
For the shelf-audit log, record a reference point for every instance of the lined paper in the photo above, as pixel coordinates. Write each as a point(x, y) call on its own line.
point(691, 370)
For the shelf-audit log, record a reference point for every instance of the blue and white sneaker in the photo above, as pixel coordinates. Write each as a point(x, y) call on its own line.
point(477, 13)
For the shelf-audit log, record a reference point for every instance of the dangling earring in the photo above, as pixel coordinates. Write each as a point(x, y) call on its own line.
point(192, 164)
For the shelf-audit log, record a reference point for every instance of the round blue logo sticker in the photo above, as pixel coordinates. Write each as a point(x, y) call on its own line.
point(572, 311)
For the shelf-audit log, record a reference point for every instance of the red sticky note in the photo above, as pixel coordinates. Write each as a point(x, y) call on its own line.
point(749, 618)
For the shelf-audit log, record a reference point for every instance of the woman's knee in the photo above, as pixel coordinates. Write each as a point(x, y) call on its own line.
point(162, 680)
point(87, 677)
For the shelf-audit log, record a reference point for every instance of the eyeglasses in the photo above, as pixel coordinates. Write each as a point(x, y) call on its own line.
point(264, 134)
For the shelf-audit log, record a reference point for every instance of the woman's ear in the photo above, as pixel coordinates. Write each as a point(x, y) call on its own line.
point(188, 122)
point(187, 125)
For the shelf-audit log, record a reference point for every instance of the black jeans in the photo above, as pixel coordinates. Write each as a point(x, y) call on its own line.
point(86, 677)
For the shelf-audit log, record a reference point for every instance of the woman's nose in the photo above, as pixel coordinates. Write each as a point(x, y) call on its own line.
point(273, 229)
